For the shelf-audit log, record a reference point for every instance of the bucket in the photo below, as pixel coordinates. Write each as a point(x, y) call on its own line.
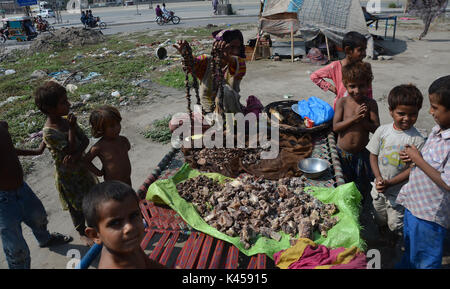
point(161, 52)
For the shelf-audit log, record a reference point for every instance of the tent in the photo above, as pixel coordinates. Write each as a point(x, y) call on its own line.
point(332, 18)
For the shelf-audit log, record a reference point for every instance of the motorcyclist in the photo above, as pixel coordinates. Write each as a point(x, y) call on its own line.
point(83, 18)
point(158, 12)
point(166, 13)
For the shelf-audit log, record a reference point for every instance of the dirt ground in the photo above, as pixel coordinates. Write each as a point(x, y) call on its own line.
point(417, 62)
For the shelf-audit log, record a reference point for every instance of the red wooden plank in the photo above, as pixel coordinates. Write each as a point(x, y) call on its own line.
point(232, 258)
point(252, 263)
point(185, 251)
point(195, 250)
point(203, 258)
point(143, 206)
point(215, 261)
point(261, 261)
point(147, 238)
point(158, 248)
point(169, 248)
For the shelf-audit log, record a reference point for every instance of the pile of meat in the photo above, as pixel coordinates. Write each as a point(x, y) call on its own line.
point(249, 206)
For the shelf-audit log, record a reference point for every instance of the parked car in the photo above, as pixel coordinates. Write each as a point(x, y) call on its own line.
point(46, 13)
point(129, 3)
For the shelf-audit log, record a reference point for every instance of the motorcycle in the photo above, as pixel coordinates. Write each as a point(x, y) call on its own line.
point(164, 20)
point(95, 23)
point(44, 26)
point(3, 35)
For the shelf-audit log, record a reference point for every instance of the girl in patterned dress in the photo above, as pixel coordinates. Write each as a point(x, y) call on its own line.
point(66, 142)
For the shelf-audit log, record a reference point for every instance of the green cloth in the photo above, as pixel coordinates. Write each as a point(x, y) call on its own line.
point(344, 234)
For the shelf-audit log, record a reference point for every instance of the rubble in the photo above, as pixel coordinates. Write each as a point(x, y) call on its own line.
point(65, 37)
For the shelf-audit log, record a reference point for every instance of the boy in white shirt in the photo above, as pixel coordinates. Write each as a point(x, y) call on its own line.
point(390, 172)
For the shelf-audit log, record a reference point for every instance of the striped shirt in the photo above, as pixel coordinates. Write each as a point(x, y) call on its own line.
point(201, 62)
point(421, 196)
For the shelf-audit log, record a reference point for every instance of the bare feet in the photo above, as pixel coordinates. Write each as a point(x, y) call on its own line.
point(88, 242)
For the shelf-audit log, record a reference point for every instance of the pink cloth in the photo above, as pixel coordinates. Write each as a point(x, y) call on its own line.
point(321, 256)
point(253, 105)
point(332, 71)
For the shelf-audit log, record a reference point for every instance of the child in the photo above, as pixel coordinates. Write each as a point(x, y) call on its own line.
point(18, 204)
point(390, 172)
point(356, 116)
point(426, 197)
point(66, 142)
point(114, 220)
point(231, 42)
point(112, 148)
point(354, 45)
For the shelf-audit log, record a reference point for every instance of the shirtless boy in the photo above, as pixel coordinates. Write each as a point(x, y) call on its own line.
point(355, 117)
point(112, 148)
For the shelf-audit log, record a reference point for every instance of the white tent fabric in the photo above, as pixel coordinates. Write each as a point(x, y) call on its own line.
point(333, 18)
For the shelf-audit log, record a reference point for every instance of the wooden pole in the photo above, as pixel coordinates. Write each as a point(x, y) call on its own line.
point(256, 46)
point(292, 41)
point(328, 48)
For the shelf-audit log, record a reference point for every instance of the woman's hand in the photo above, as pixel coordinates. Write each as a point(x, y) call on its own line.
point(181, 45)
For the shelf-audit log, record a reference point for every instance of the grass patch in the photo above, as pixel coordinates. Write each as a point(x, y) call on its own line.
point(159, 131)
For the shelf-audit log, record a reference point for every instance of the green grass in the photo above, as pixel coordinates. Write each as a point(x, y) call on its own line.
point(117, 73)
point(159, 131)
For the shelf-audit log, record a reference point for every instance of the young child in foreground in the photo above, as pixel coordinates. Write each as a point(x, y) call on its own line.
point(114, 220)
point(112, 148)
point(389, 170)
point(355, 116)
point(426, 197)
point(66, 142)
point(355, 45)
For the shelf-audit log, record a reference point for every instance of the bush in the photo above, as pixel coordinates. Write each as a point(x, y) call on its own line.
point(392, 5)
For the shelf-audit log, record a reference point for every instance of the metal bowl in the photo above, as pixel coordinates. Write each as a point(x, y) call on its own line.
point(313, 167)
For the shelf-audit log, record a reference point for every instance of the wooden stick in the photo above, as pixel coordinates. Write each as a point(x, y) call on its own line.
point(328, 48)
point(256, 46)
point(292, 41)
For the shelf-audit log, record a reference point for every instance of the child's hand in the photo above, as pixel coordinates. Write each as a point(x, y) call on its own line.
point(404, 157)
point(413, 153)
point(72, 120)
point(381, 184)
point(362, 112)
point(224, 49)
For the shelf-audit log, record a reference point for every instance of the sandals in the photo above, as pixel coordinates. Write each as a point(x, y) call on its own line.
point(57, 239)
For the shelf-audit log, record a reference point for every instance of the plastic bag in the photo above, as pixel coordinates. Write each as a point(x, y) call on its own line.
point(314, 108)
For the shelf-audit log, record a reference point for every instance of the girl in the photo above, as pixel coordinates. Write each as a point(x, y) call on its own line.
point(112, 148)
point(231, 43)
point(355, 45)
point(66, 142)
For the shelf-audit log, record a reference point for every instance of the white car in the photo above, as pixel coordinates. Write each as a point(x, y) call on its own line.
point(46, 13)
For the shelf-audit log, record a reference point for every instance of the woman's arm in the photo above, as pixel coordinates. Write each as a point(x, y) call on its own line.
point(39, 151)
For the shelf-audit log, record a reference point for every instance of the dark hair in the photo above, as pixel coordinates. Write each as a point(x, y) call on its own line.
point(103, 192)
point(230, 35)
point(101, 117)
point(48, 95)
point(360, 72)
point(440, 88)
point(354, 40)
point(405, 94)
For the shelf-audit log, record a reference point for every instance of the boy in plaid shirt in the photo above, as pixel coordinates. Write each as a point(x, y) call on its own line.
point(426, 197)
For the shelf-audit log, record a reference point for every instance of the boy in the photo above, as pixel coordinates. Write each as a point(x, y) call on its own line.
point(355, 45)
point(114, 220)
point(18, 204)
point(112, 148)
point(390, 172)
point(426, 197)
point(355, 116)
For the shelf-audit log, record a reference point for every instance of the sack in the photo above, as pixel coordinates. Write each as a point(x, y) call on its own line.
point(314, 108)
